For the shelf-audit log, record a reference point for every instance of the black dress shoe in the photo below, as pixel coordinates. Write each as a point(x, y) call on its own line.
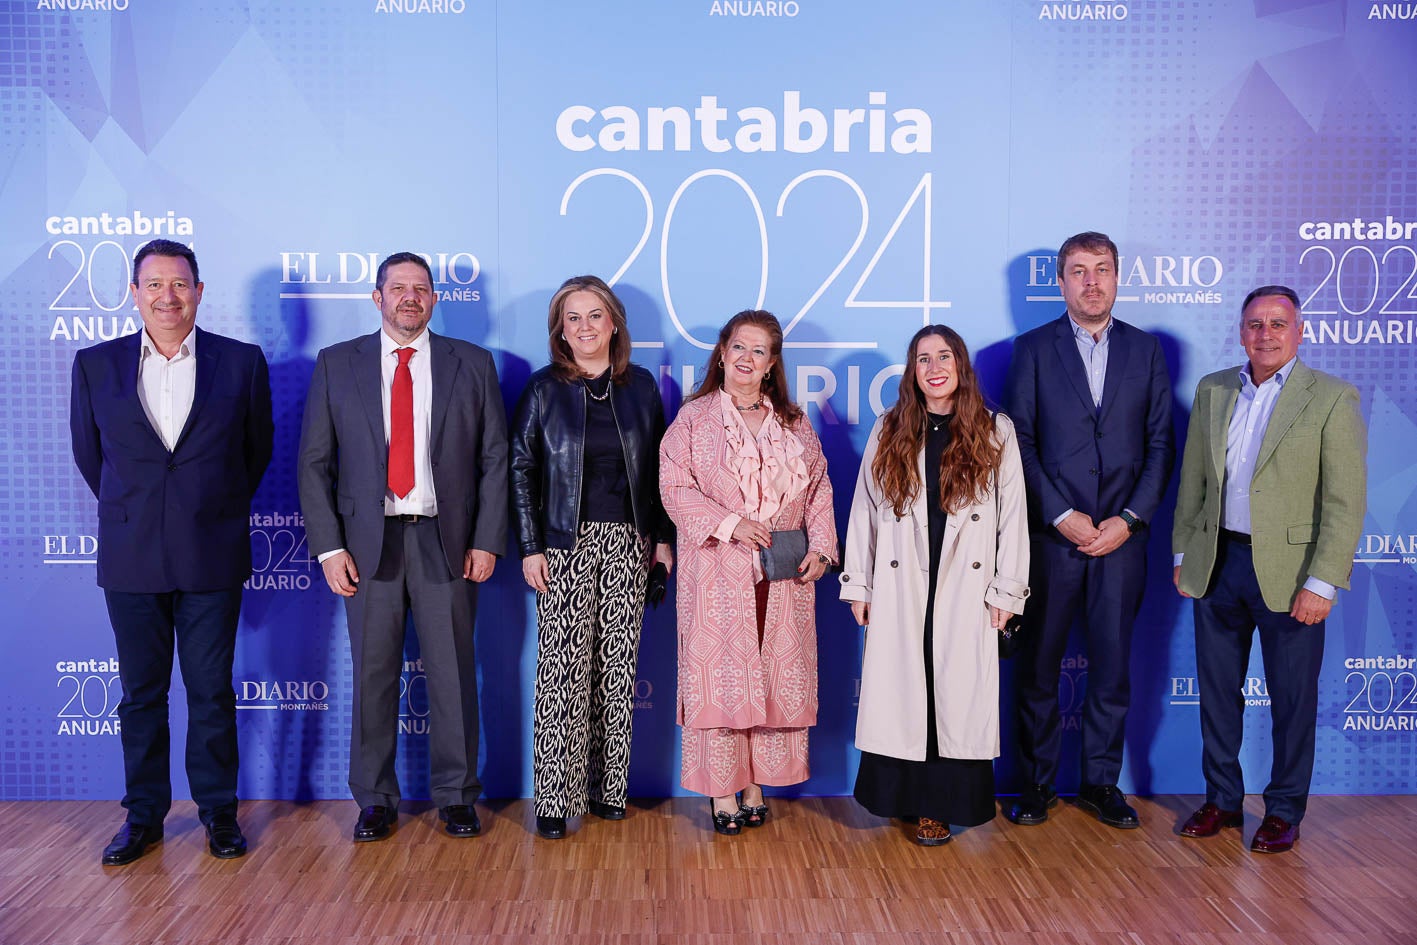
point(1109, 804)
point(375, 823)
point(551, 828)
point(460, 820)
point(606, 811)
point(224, 837)
point(1274, 836)
point(1032, 805)
point(129, 843)
point(1209, 820)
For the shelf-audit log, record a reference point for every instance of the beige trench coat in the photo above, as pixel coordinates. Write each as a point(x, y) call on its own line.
point(887, 563)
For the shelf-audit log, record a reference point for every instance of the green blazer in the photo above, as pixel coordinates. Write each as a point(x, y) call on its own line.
point(1308, 494)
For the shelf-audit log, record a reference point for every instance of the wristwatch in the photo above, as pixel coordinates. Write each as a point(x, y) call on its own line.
point(1134, 524)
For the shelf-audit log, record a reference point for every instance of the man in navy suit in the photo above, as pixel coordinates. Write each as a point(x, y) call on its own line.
point(172, 431)
point(1091, 401)
point(403, 482)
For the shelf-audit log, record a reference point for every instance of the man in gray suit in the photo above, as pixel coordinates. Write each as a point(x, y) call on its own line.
point(403, 483)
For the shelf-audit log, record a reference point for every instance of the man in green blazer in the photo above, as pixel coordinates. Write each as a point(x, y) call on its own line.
point(1268, 515)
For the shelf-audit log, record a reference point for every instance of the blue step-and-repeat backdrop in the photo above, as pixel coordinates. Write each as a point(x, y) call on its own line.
point(858, 168)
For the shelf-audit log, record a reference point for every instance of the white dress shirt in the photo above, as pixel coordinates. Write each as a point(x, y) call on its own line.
point(420, 500)
point(166, 386)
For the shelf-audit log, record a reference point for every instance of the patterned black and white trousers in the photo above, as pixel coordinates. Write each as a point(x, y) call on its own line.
point(588, 624)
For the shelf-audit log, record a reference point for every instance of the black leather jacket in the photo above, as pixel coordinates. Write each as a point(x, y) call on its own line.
point(548, 439)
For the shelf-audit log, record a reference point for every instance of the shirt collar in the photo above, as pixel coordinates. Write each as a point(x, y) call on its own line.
point(1083, 334)
point(388, 346)
point(187, 349)
point(1280, 378)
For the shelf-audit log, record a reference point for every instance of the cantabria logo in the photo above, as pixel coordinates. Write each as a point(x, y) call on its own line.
point(794, 127)
point(89, 693)
point(1079, 10)
point(1384, 694)
point(1153, 280)
point(91, 270)
point(1364, 274)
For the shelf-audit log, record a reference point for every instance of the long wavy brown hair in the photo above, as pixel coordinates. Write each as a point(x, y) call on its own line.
point(774, 384)
point(974, 453)
point(563, 361)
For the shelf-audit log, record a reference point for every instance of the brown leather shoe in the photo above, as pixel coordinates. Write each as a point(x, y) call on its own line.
point(1210, 820)
point(932, 833)
point(1274, 836)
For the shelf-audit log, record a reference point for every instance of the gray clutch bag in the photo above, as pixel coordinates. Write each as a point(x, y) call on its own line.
point(784, 557)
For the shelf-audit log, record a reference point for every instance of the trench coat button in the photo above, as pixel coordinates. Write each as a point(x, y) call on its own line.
point(895, 564)
point(975, 565)
point(974, 517)
point(845, 578)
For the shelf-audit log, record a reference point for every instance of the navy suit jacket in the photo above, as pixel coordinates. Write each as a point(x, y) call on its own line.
point(179, 520)
point(343, 466)
point(1097, 460)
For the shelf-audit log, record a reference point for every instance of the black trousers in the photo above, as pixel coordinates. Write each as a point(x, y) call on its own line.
point(201, 628)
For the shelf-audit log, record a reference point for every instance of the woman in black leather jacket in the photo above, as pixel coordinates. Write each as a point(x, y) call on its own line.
point(585, 497)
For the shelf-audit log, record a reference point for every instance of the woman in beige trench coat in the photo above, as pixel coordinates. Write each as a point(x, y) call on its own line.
point(936, 561)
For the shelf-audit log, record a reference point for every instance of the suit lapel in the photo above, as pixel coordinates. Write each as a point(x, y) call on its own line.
point(445, 366)
point(1066, 347)
point(208, 358)
point(1295, 396)
point(1119, 350)
point(369, 378)
point(130, 359)
point(1222, 408)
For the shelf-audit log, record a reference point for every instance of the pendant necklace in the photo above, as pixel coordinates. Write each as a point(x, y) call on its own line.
point(591, 391)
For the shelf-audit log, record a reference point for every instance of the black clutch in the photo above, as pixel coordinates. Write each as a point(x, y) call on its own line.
point(1011, 637)
point(782, 559)
point(657, 584)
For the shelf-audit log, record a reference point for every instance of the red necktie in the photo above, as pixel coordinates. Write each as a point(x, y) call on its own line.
point(401, 428)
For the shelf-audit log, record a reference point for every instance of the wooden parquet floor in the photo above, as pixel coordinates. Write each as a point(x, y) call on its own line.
point(820, 871)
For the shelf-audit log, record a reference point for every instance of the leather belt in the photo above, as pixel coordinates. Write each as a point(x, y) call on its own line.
point(1240, 538)
point(408, 519)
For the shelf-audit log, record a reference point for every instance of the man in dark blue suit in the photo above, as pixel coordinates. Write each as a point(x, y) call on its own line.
point(172, 431)
point(1091, 401)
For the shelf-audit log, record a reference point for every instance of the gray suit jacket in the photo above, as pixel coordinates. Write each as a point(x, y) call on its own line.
point(1308, 494)
point(343, 457)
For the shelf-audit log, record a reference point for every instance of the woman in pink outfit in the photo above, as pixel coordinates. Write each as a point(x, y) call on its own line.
point(738, 463)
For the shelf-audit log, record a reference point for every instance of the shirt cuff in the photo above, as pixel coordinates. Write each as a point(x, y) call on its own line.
point(1059, 520)
point(1321, 588)
point(724, 531)
point(1176, 560)
point(328, 555)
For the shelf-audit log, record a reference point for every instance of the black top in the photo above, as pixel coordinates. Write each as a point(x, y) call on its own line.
point(935, 442)
point(605, 488)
